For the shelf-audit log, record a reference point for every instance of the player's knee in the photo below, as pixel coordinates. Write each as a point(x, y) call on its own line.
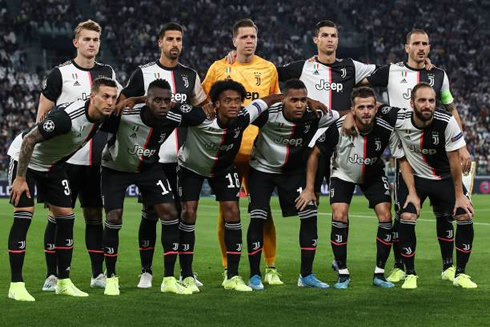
point(340, 215)
point(463, 217)
point(148, 212)
point(114, 217)
point(61, 211)
point(407, 216)
point(231, 213)
point(93, 216)
point(188, 214)
point(167, 212)
point(384, 217)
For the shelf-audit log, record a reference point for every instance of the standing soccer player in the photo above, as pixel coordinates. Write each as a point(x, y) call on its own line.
point(431, 140)
point(208, 153)
point(131, 157)
point(357, 161)
point(37, 160)
point(186, 88)
point(278, 160)
point(70, 82)
point(259, 77)
point(399, 79)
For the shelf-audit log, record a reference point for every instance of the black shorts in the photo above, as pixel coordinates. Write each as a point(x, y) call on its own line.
point(376, 192)
point(152, 183)
point(85, 184)
point(289, 187)
point(440, 193)
point(53, 186)
point(225, 188)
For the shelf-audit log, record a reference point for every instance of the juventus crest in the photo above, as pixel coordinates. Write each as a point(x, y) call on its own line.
point(257, 78)
point(435, 138)
point(377, 144)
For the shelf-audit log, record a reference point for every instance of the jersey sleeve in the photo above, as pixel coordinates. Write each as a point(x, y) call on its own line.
point(454, 136)
point(198, 94)
point(119, 86)
point(274, 81)
point(395, 146)
point(388, 113)
point(327, 119)
point(262, 119)
point(292, 70)
point(136, 85)
point(327, 142)
point(254, 110)
point(209, 79)
point(56, 123)
point(52, 85)
point(111, 124)
point(446, 96)
point(380, 76)
point(191, 116)
point(363, 70)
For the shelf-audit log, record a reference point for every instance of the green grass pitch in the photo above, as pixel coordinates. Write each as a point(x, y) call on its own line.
point(434, 303)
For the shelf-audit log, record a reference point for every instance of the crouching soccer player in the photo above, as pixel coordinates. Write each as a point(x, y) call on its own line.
point(208, 153)
point(357, 161)
point(37, 159)
point(278, 160)
point(131, 157)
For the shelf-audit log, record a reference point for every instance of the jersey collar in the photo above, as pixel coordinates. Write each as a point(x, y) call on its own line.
point(81, 68)
point(411, 68)
point(159, 64)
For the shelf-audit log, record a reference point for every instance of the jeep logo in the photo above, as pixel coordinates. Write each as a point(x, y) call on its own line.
point(139, 151)
point(216, 147)
point(415, 149)
point(362, 161)
point(179, 97)
point(252, 95)
point(324, 85)
point(286, 141)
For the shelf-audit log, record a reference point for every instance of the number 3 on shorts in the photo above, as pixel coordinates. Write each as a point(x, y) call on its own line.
point(66, 186)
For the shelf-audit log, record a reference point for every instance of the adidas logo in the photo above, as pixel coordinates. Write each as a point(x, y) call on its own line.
point(404, 81)
point(316, 72)
point(76, 83)
point(133, 135)
point(351, 145)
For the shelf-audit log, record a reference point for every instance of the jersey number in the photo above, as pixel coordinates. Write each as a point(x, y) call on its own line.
point(66, 186)
point(165, 191)
point(230, 179)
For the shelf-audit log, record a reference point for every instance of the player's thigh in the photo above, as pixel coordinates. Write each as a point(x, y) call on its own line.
point(261, 185)
point(322, 173)
point(189, 185)
point(76, 179)
point(154, 186)
point(402, 194)
point(441, 195)
point(341, 191)
point(24, 201)
point(90, 195)
point(243, 169)
point(378, 191)
point(289, 187)
point(226, 187)
point(54, 188)
point(113, 187)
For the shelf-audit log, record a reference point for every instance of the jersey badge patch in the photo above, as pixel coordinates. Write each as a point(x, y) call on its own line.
point(185, 108)
point(49, 125)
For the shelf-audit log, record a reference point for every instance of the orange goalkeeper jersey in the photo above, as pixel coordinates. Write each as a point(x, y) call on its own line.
point(259, 78)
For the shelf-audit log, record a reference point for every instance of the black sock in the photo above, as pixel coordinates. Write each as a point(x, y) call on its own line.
point(49, 247)
point(147, 238)
point(187, 239)
point(64, 244)
point(398, 259)
point(308, 238)
point(170, 242)
point(445, 236)
point(255, 240)
point(17, 243)
point(464, 244)
point(233, 241)
point(111, 245)
point(408, 243)
point(94, 234)
point(338, 239)
point(383, 244)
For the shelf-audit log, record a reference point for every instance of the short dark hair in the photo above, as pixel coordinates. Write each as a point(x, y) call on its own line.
point(419, 86)
point(102, 81)
point(229, 84)
point(246, 22)
point(294, 84)
point(170, 27)
point(415, 31)
point(362, 92)
point(323, 23)
point(159, 84)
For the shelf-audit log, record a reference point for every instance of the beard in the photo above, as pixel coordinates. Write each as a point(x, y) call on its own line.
point(421, 116)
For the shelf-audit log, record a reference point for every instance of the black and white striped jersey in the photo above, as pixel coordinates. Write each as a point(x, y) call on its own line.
point(210, 148)
point(134, 145)
point(66, 129)
point(281, 145)
point(186, 88)
point(358, 159)
point(426, 149)
point(400, 79)
point(69, 82)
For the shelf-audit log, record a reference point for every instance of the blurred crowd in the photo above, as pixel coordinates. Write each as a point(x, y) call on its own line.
point(457, 30)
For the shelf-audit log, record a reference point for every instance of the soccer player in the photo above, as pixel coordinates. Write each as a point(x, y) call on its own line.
point(259, 77)
point(37, 158)
point(431, 140)
point(186, 88)
point(71, 81)
point(208, 153)
point(131, 157)
point(278, 160)
point(356, 161)
point(399, 79)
